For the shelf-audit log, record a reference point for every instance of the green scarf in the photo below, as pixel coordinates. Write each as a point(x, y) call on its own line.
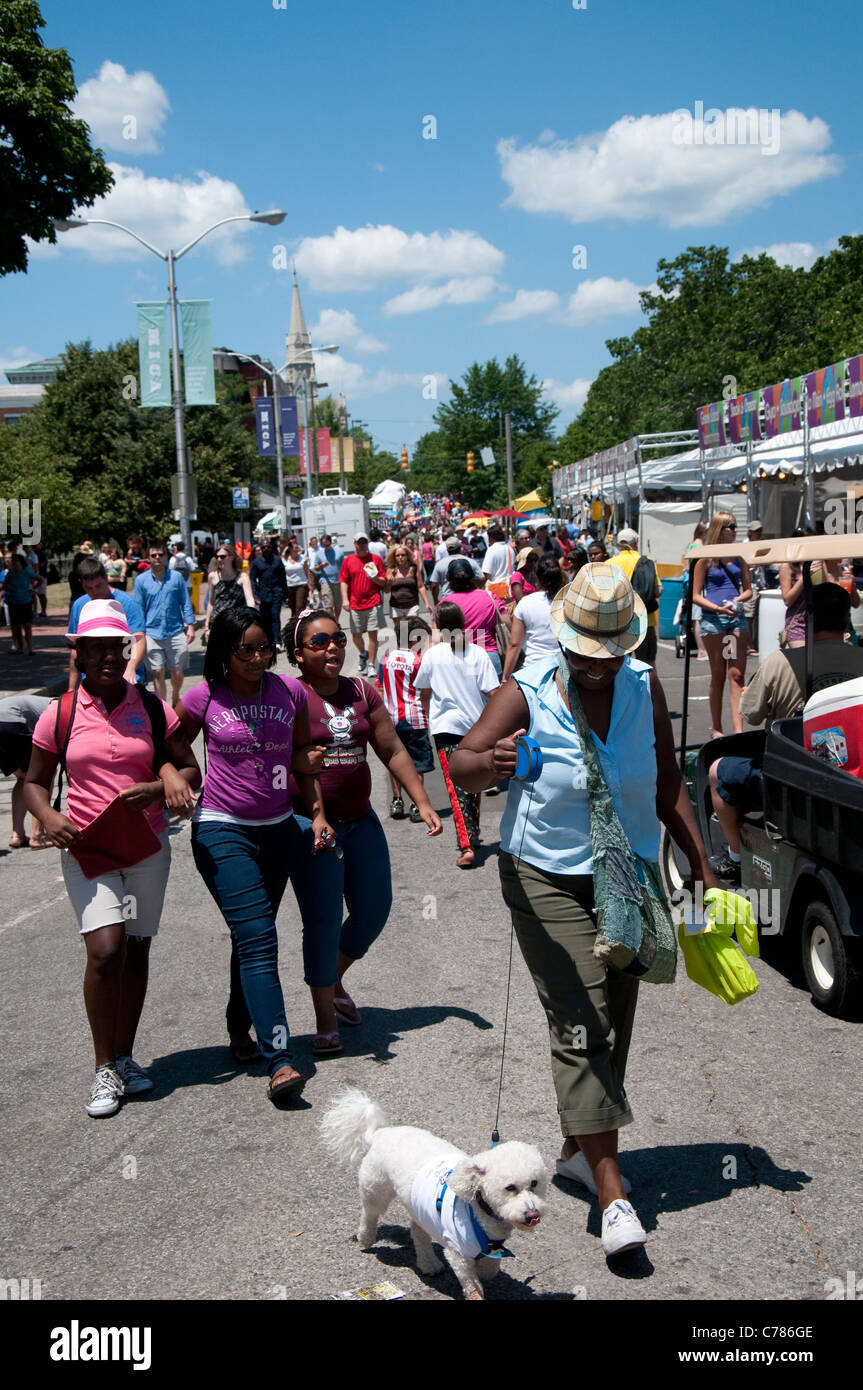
point(634, 932)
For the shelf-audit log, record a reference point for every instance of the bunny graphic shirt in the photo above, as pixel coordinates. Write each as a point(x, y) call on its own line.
point(341, 723)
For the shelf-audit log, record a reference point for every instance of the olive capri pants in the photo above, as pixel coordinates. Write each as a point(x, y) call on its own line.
point(590, 1010)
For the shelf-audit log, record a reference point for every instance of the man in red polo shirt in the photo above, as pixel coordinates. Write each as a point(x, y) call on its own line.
point(362, 580)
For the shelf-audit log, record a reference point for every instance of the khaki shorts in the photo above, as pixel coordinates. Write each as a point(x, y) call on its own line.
point(132, 896)
point(168, 654)
point(365, 619)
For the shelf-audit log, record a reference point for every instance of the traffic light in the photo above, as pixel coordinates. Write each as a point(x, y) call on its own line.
point(404, 458)
point(470, 459)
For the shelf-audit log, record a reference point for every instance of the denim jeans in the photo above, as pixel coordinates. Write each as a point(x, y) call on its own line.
point(322, 882)
point(246, 869)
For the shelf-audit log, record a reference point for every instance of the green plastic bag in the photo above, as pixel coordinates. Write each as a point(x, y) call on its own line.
point(731, 912)
point(716, 963)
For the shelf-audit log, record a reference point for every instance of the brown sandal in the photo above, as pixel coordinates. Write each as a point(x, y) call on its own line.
point(466, 860)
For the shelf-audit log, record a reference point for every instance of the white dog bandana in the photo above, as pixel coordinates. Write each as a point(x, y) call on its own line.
point(442, 1214)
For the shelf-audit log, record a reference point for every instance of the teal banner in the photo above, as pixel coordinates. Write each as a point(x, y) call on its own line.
point(197, 352)
point(154, 362)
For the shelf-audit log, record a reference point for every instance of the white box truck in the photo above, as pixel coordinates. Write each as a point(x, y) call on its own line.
point(337, 514)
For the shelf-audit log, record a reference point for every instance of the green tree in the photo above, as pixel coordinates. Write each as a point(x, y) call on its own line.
point(89, 441)
point(47, 164)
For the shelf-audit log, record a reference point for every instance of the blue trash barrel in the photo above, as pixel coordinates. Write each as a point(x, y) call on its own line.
point(672, 590)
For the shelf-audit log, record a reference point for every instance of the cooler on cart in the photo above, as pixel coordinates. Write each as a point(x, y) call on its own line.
point(833, 726)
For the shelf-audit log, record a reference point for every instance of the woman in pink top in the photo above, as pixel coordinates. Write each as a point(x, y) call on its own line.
point(113, 749)
point(481, 609)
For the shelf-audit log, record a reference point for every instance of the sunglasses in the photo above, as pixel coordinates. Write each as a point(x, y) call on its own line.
point(245, 653)
point(319, 641)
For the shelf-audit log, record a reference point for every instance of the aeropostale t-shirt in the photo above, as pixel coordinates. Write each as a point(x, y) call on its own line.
point(250, 743)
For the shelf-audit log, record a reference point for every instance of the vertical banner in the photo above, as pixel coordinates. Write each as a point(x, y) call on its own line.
point(855, 387)
point(265, 427)
point(782, 412)
point(153, 354)
point(325, 464)
point(744, 424)
point(711, 424)
point(825, 395)
point(304, 453)
point(290, 426)
point(197, 352)
point(348, 454)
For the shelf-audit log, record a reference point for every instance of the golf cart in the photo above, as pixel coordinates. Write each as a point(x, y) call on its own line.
point(802, 854)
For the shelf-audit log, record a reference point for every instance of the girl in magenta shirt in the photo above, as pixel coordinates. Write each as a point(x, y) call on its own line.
point(244, 836)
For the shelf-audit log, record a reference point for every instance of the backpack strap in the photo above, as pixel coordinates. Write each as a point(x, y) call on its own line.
point(66, 706)
point(158, 725)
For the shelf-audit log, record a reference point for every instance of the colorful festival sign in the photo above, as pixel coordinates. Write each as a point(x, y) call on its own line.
point(744, 424)
point(711, 425)
point(154, 365)
point(855, 387)
point(825, 395)
point(783, 407)
point(198, 376)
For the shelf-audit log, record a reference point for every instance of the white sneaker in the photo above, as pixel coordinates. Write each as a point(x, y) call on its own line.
point(105, 1093)
point(577, 1169)
point(135, 1080)
point(621, 1228)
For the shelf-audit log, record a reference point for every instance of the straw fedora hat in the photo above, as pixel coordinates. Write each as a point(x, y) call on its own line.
point(599, 614)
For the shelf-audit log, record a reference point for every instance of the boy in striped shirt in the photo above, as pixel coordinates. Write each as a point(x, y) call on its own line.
point(398, 672)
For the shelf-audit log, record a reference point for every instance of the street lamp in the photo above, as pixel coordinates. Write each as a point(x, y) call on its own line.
point(272, 218)
point(275, 377)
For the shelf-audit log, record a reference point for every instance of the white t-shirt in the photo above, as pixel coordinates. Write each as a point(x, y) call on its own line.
point(497, 562)
point(378, 548)
point(441, 551)
point(459, 683)
point(295, 572)
point(539, 640)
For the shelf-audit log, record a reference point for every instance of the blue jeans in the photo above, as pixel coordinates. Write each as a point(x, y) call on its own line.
point(361, 878)
point(246, 869)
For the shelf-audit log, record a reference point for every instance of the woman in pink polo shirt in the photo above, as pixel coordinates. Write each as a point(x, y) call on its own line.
point(480, 607)
point(119, 744)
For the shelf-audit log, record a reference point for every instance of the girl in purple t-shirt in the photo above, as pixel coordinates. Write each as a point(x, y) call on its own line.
point(244, 836)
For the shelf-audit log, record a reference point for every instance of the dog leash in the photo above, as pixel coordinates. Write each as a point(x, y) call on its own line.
point(528, 767)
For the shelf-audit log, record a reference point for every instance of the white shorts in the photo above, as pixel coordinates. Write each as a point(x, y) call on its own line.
point(132, 896)
point(168, 653)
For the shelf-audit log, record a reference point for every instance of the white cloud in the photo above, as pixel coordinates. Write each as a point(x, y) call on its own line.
point(356, 381)
point(797, 254)
point(641, 168)
point(525, 304)
point(472, 289)
point(340, 326)
point(125, 111)
point(18, 357)
point(369, 256)
point(167, 213)
point(568, 395)
point(599, 299)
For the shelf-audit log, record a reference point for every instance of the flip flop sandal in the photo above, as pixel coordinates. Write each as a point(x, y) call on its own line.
point(347, 1010)
point(326, 1044)
point(285, 1088)
point(22, 843)
point(40, 842)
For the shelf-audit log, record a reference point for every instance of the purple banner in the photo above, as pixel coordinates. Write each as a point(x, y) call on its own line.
point(290, 427)
point(825, 395)
point(782, 407)
point(855, 386)
point(265, 426)
point(711, 425)
point(744, 423)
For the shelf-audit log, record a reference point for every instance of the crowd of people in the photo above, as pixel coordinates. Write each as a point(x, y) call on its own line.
point(551, 631)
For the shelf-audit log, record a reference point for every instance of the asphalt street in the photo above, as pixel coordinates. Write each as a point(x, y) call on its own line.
point(743, 1155)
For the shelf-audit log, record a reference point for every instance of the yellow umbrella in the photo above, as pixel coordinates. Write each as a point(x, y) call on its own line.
point(475, 521)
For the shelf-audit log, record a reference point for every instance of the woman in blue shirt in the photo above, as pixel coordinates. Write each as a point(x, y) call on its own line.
point(546, 865)
point(720, 589)
point(18, 587)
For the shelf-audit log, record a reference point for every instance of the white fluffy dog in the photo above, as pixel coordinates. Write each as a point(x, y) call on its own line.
point(469, 1205)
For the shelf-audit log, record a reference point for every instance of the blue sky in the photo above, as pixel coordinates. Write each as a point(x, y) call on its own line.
point(554, 128)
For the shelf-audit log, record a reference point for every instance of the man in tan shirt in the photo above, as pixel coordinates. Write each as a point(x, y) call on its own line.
point(778, 691)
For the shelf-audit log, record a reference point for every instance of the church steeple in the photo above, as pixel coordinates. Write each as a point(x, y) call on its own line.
point(301, 364)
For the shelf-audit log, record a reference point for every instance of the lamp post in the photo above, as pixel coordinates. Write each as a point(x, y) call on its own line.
point(272, 218)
